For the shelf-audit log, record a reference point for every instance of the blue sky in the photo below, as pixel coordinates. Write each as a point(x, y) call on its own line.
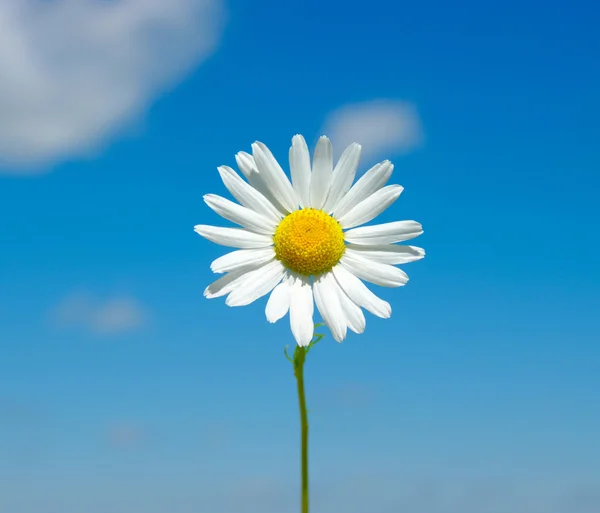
point(122, 389)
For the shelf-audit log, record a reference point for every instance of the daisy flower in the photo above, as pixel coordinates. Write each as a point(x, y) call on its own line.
point(301, 240)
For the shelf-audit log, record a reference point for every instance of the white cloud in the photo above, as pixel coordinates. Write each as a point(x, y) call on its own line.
point(380, 126)
point(73, 73)
point(102, 317)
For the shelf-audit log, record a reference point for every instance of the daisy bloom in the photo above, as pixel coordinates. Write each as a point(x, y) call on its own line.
point(301, 240)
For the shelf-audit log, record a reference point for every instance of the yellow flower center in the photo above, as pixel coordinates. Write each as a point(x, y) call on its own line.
point(309, 241)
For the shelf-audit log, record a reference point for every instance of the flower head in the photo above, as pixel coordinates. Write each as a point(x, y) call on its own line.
point(301, 242)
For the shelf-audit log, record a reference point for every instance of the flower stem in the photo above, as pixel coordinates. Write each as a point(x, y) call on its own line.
point(298, 362)
point(299, 357)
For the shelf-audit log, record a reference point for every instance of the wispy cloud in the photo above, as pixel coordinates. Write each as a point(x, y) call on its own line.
point(217, 434)
point(380, 126)
point(108, 316)
point(18, 412)
point(347, 396)
point(392, 493)
point(125, 435)
point(23, 430)
point(75, 73)
point(582, 499)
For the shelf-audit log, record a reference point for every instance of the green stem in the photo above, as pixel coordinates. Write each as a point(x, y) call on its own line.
point(299, 357)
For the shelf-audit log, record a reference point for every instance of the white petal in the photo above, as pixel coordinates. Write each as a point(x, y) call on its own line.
point(373, 180)
point(384, 275)
point(274, 177)
point(387, 253)
point(322, 168)
point(246, 163)
point(247, 166)
point(360, 294)
point(233, 237)
point(328, 303)
point(279, 302)
point(247, 195)
point(243, 216)
point(300, 169)
point(256, 284)
point(387, 233)
point(301, 310)
point(355, 319)
point(371, 207)
point(227, 283)
point(242, 259)
point(343, 176)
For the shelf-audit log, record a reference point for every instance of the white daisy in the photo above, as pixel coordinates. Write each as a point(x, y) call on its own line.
point(299, 240)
